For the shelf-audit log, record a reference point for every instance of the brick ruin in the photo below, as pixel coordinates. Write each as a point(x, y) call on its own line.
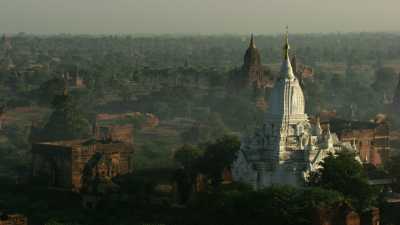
point(122, 133)
point(371, 139)
point(65, 164)
point(345, 215)
point(13, 219)
point(78, 165)
point(149, 119)
point(371, 217)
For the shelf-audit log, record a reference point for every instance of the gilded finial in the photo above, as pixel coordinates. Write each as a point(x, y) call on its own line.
point(286, 47)
point(286, 69)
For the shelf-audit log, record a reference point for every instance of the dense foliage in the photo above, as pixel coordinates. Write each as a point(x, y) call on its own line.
point(343, 173)
point(274, 205)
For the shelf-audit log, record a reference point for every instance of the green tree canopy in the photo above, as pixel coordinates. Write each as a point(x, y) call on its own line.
point(219, 155)
point(205, 131)
point(279, 205)
point(187, 155)
point(343, 173)
point(385, 79)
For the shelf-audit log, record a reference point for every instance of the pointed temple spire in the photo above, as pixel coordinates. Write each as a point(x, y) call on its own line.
point(252, 56)
point(286, 46)
point(286, 68)
point(252, 42)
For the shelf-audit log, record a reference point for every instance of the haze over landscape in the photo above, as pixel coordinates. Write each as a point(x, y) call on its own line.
point(199, 112)
point(197, 16)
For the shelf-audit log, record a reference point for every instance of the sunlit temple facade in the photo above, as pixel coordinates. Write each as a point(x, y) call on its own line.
point(287, 146)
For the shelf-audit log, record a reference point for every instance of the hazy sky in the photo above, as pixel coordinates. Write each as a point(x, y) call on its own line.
point(197, 16)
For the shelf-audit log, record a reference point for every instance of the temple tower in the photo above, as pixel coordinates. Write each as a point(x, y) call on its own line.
point(285, 123)
point(252, 67)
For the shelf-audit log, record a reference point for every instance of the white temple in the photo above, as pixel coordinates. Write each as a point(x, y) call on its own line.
point(287, 147)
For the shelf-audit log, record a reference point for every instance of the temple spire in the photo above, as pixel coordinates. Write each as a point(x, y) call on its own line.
point(252, 56)
point(252, 42)
point(286, 68)
point(286, 46)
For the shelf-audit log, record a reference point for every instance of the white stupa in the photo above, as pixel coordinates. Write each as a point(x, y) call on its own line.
point(287, 147)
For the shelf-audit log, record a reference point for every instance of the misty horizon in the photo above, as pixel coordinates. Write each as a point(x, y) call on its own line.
point(197, 17)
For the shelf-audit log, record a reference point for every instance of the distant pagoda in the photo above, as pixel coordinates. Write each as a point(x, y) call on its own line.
point(252, 68)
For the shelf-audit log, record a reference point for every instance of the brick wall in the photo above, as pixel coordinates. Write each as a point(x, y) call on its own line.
point(62, 164)
point(13, 219)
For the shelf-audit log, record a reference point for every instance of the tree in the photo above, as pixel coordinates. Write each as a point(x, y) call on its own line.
point(385, 80)
point(124, 90)
point(209, 129)
point(18, 136)
point(278, 205)
point(343, 173)
point(187, 155)
point(219, 155)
